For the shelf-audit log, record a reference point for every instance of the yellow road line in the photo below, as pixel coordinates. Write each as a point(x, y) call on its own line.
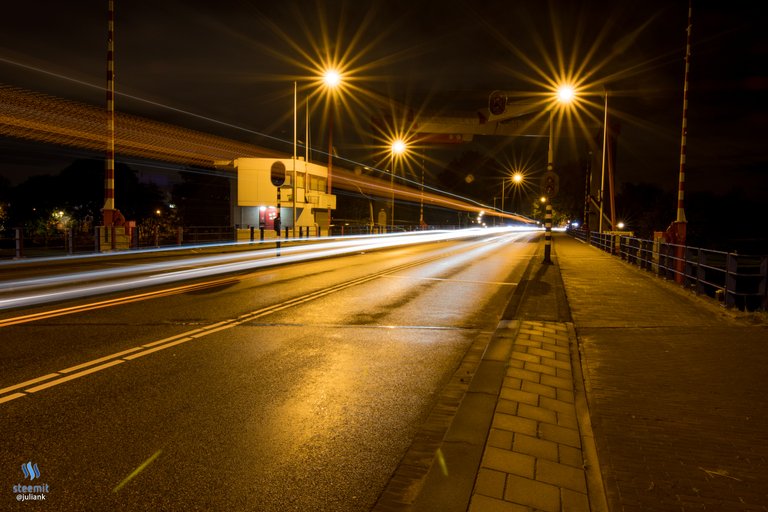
point(73, 376)
point(14, 396)
point(97, 361)
point(114, 302)
point(157, 349)
point(29, 382)
point(60, 377)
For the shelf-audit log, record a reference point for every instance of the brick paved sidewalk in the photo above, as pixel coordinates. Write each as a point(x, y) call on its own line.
point(534, 455)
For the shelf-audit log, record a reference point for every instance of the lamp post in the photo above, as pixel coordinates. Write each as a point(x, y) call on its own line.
point(398, 148)
point(332, 79)
point(602, 162)
point(564, 95)
point(295, 144)
point(517, 180)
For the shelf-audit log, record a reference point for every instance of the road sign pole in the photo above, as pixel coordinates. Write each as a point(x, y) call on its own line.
point(548, 233)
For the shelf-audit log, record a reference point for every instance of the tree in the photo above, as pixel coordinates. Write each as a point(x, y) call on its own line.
point(645, 208)
point(78, 192)
point(202, 199)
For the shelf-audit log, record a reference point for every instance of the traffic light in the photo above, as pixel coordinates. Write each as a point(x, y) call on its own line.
point(549, 184)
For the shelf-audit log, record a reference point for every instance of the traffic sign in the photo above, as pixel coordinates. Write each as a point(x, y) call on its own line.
point(497, 103)
point(277, 173)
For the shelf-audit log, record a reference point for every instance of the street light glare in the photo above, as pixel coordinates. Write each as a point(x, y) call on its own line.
point(332, 78)
point(565, 93)
point(398, 147)
point(517, 177)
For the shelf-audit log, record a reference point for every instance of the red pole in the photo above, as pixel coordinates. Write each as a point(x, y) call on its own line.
point(680, 222)
point(109, 175)
point(681, 182)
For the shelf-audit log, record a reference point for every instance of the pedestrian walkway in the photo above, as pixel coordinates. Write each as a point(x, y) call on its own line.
point(677, 388)
point(534, 455)
point(616, 391)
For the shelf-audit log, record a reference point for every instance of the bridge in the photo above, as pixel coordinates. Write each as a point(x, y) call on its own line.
point(446, 371)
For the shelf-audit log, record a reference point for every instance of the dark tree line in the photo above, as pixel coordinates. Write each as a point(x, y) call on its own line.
point(74, 199)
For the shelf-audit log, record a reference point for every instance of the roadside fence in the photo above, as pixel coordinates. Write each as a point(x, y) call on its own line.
point(737, 280)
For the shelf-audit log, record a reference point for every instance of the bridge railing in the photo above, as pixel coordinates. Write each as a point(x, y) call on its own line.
point(737, 280)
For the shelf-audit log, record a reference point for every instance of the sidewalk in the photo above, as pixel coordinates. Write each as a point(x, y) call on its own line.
point(677, 388)
point(615, 391)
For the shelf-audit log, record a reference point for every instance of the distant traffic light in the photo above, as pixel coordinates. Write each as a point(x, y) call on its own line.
point(550, 183)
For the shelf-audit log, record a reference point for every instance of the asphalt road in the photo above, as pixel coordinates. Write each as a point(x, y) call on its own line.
point(297, 387)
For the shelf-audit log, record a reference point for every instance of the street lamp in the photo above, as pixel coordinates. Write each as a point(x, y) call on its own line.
point(332, 80)
point(516, 179)
point(397, 149)
point(564, 95)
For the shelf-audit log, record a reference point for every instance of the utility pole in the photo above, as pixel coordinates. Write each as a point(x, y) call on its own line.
point(109, 176)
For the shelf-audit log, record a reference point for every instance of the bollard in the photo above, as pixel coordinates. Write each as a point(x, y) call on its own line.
point(70, 242)
point(548, 234)
point(253, 233)
point(179, 235)
point(19, 243)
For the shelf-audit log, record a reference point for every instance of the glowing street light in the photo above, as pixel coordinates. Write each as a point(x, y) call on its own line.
point(332, 80)
point(564, 95)
point(516, 179)
point(398, 148)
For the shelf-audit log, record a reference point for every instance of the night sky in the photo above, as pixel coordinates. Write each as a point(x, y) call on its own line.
point(232, 64)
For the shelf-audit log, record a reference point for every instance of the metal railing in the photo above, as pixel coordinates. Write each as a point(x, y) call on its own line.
point(737, 280)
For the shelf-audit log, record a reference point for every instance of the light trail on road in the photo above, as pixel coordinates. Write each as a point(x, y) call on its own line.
point(27, 292)
point(314, 376)
point(49, 380)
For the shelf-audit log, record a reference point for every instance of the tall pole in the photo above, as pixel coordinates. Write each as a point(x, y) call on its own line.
point(680, 220)
point(109, 174)
point(587, 191)
point(678, 227)
point(602, 164)
point(502, 194)
point(421, 198)
point(611, 158)
point(295, 156)
point(330, 159)
point(548, 210)
point(306, 148)
point(392, 188)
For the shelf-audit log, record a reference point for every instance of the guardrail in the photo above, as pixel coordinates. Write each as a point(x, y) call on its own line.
point(737, 280)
